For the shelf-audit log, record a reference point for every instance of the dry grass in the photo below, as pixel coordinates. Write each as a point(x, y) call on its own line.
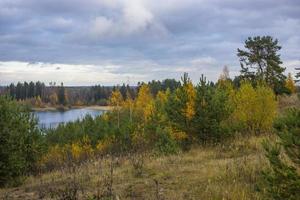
point(286, 101)
point(228, 171)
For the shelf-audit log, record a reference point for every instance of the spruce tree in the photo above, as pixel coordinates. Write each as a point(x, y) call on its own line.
point(31, 89)
point(61, 94)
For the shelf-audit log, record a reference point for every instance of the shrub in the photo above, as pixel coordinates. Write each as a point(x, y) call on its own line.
point(283, 179)
point(74, 153)
point(254, 108)
point(21, 142)
point(165, 144)
point(53, 159)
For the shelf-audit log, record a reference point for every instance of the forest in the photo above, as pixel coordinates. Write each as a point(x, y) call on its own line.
point(171, 139)
point(39, 95)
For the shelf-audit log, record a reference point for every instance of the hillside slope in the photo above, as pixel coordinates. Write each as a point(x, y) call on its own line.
point(222, 172)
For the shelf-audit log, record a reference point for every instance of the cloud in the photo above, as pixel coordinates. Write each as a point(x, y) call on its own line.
point(147, 39)
point(69, 74)
point(101, 26)
point(132, 19)
point(291, 65)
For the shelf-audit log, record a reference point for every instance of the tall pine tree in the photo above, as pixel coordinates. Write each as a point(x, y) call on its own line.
point(261, 62)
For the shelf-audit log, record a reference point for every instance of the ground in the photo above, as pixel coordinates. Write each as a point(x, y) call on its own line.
point(228, 171)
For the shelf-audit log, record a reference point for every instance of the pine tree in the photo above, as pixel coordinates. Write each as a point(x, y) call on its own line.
point(20, 141)
point(12, 90)
point(123, 90)
point(61, 95)
point(283, 179)
point(212, 108)
point(261, 62)
point(203, 122)
point(31, 90)
point(26, 90)
point(180, 107)
point(19, 93)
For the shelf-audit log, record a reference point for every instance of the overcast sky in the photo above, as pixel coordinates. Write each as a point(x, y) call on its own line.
point(86, 42)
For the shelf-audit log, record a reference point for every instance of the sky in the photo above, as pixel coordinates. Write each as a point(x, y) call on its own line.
point(87, 42)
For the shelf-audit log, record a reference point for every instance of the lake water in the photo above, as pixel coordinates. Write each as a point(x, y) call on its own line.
point(51, 119)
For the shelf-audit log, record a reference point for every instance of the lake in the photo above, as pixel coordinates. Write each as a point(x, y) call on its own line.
point(51, 119)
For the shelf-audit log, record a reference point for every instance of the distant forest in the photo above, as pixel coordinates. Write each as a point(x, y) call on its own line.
point(38, 94)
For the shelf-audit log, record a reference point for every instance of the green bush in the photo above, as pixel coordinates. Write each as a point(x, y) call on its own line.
point(165, 144)
point(283, 179)
point(20, 142)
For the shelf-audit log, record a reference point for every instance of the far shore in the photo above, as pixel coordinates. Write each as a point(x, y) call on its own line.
point(65, 108)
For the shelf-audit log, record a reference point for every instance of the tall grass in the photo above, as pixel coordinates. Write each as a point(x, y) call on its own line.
point(227, 171)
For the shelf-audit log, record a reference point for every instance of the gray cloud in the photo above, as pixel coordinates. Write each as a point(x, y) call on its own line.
point(145, 38)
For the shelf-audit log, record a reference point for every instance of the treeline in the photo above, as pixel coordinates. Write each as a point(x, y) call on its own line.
point(38, 94)
point(156, 86)
point(26, 90)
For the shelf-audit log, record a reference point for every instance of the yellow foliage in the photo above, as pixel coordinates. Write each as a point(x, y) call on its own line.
point(53, 98)
point(144, 102)
point(104, 145)
point(38, 101)
point(105, 117)
point(116, 98)
point(82, 150)
point(53, 158)
point(76, 151)
point(189, 110)
point(128, 103)
point(138, 139)
point(290, 84)
point(162, 97)
point(57, 155)
point(245, 100)
point(79, 103)
point(254, 108)
point(144, 96)
point(226, 85)
point(267, 107)
point(179, 135)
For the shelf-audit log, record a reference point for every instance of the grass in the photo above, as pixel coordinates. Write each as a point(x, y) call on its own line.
point(286, 101)
point(227, 171)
